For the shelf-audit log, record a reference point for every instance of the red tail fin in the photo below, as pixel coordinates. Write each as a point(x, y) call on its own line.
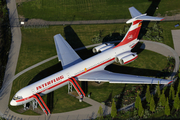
point(132, 33)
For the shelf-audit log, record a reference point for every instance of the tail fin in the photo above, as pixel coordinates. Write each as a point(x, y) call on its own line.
point(133, 32)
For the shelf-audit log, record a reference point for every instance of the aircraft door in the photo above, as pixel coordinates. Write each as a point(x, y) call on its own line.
point(33, 91)
point(68, 75)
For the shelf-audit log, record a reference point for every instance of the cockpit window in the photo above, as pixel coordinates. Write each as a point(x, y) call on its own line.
point(17, 97)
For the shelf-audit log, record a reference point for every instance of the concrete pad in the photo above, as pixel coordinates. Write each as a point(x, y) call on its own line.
point(176, 40)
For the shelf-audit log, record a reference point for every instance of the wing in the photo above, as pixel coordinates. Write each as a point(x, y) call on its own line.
point(106, 76)
point(66, 54)
point(134, 12)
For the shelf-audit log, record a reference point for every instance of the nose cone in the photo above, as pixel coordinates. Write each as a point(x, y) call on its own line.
point(13, 103)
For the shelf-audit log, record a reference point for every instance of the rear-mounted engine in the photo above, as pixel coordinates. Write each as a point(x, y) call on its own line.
point(103, 47)
point(125, 58)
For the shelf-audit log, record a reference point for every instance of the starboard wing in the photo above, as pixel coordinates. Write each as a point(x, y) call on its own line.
point(65, 52)
point(106, 76)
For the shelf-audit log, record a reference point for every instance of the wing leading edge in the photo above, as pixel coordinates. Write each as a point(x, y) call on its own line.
point(66, 54)
point(106, 76)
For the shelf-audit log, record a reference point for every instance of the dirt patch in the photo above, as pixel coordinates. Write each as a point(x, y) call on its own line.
point(37, 110)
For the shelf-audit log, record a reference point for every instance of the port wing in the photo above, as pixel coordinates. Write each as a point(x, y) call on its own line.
point(106, 76)
point(66, 54)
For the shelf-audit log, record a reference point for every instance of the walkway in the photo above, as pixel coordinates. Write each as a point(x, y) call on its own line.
point(89, 112)
point(13, 54)
point(176, 40)
point(40, 22)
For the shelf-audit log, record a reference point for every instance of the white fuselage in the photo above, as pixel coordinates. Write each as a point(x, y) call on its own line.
point(59, 79)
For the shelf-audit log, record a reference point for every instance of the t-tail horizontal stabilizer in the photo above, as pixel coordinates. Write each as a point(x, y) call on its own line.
point(136, 15)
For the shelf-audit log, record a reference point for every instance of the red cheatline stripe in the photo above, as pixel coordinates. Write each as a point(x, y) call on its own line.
point(67, 80)
point(40, 104)
point(79, 86)
point(95, 67)
point(134, 45)
point(131, 60)
point(43, 103)
point(24, 99)
point(170, 82)
point(75, 87)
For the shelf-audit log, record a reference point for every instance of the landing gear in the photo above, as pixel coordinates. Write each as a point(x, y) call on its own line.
point(70, 87)
point(34, 104)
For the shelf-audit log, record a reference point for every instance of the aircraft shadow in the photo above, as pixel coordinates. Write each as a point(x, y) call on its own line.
point(150, 11)
point(43, 74)
point(75, 42)
point(136, 71)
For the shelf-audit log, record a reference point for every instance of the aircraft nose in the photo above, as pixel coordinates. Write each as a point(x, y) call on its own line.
point(13, 103)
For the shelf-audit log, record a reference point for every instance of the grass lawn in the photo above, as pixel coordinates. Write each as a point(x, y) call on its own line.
point(167, 27)
point(147, 64)
point(68, 10)
point(39, 44)
point(63, 10)
point(60, 99)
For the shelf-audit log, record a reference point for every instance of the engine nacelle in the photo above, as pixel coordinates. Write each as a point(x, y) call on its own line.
point(102, 47)
point(126, 58)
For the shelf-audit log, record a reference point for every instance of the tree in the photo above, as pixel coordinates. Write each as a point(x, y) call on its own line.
point(158, 90)
point(167, 108)
point(171, 93)
point(176, 102)
point(162, 100)
point(148, 94)
point(140, 109)
point(113, 109)
point(152, 104)
point(138, 99)
point(179, 86)
point(100, 113)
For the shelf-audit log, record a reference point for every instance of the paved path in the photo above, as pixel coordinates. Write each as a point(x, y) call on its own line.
point(13, 53)
point(40, 22)
point(164, 50)
point(176, 40)
point(89, 112)
point(12, 62)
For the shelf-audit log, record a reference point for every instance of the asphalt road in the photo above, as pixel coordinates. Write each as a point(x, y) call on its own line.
point(11, 67)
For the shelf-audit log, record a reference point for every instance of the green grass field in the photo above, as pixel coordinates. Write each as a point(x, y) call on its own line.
point(68, 10)
point(153, 62)
point(38, 44)
point(60, 99)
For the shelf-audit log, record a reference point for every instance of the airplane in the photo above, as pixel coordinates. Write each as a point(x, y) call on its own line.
point(92, 69)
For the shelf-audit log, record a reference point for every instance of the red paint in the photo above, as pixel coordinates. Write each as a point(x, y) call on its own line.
point(43, 102)
point(79, 86)
point(132, 35)
point(75, 86)
point(131, 60)
point(39, 103)
point(133, 45)
point(162, 19)
point(95, 67)
point(65, 80)
point(137, 21)
point(170, 82)
point(49, 82)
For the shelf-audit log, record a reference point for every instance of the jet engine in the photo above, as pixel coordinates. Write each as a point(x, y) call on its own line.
point(125, 58)
point(102, 47)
